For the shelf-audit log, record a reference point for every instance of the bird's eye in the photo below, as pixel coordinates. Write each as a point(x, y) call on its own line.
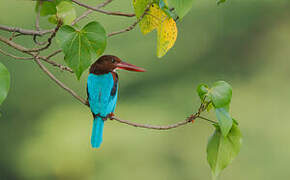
point(113, 60)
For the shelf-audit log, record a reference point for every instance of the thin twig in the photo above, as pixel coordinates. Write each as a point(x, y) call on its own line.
point(102, 11)
point(37, 26)
point(126, 29)
point(49, 40)
point(201, 117)
point(133, 25)
point(53, 63)
point(89, 11)
point(53, 54)
point(103, 4)
point(25, 31)
point(38, 43)
point(148, 126)
point(15, 57)
point(191, 118)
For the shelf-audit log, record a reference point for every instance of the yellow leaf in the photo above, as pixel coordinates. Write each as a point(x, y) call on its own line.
point(166, 36)
point(155, 18)
point(152, 20)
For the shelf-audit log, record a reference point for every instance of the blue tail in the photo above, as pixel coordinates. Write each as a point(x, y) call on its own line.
point(97, 133)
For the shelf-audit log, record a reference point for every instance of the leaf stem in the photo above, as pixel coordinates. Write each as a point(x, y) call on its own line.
point(206, 119)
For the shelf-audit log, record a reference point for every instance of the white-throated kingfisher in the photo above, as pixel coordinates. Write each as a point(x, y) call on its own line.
point(102, 90)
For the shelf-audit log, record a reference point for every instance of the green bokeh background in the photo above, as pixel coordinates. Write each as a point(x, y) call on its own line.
point(45, 133)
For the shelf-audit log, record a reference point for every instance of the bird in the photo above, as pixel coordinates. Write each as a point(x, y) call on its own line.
point(102, 92)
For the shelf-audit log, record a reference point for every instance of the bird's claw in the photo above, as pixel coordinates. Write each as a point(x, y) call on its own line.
point(110, 116)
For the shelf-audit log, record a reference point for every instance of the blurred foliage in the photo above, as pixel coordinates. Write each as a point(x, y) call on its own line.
point(5, 82)
point(44, 132)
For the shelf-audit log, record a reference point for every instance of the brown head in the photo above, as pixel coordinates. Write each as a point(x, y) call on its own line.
point(109, 63)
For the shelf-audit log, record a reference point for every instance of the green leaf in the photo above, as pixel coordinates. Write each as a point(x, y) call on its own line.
point(59, 9)
point(140, 6)
point(220, 2)
point(224, 119)
point(182, 7)
point(202, 90)
point(4, 82)
point(66, 12)
point(221, 151)
point(82, 46)
point(221, 94)
point(47, 7)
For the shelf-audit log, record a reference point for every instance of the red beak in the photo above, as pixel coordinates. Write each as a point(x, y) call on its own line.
point(129, 67)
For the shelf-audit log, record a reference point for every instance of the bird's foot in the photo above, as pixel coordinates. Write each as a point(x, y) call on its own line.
point(110, 116)
point(99, 115)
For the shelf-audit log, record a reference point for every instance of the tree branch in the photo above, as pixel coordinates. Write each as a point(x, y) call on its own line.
point(148, 126)
point(89, 11)
point(211, 121)
point(25, 31)
point(53, 63)
point(126, 29)
point(15, 57)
